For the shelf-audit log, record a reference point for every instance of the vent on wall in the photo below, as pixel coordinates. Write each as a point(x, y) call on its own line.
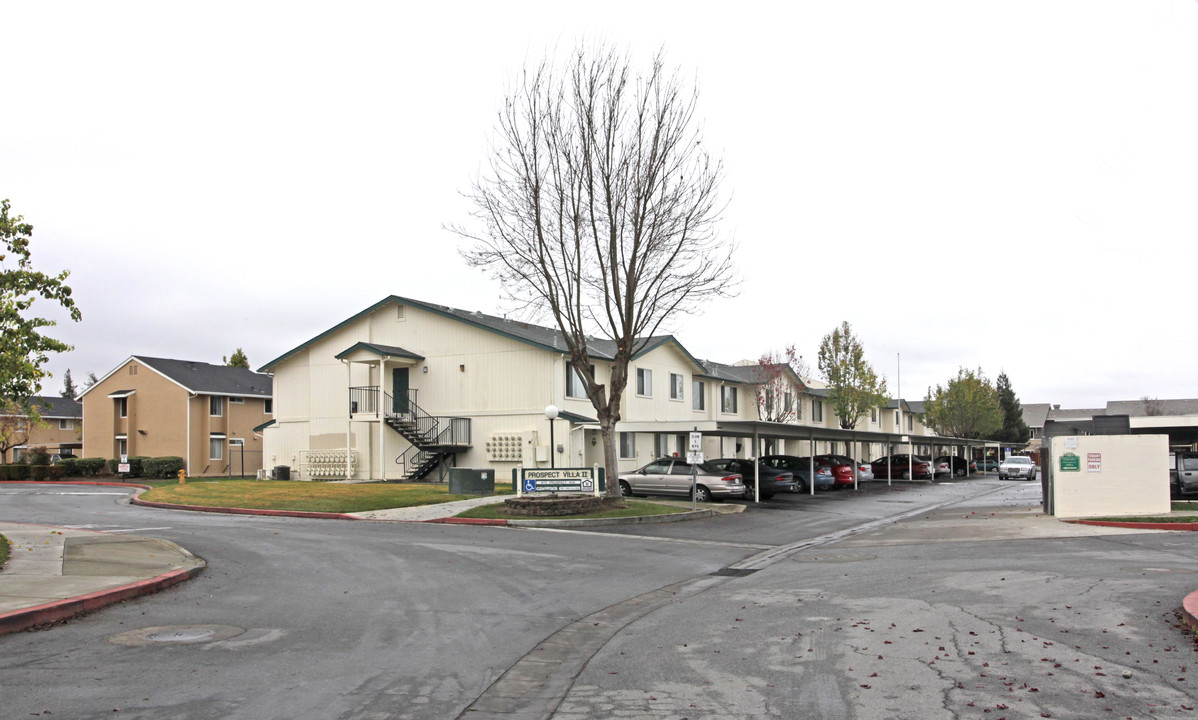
point(399, 312)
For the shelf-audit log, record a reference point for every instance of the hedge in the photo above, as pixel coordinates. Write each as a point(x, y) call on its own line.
point(162, 467)
point(32, 472)
point(135, 465)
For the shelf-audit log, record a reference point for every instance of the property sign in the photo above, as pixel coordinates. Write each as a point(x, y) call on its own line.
point(578, 480)
point(1070, 462)
point(1094, 462)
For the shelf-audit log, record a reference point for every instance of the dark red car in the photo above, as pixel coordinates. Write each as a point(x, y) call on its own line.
point(841, 466)
point(901, 467)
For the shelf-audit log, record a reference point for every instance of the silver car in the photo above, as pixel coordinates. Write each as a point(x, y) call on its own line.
point(672, 476)
point(1017, 467)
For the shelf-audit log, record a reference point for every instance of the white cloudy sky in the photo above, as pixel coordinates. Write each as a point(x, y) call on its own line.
point(1005, 185)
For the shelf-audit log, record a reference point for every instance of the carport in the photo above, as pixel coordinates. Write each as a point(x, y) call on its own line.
point(759, 431)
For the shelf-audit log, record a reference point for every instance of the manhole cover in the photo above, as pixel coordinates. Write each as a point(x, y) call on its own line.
point(833, 558)
point(175, 635)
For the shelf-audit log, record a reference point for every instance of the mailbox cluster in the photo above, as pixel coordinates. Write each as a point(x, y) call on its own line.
point(506, 447)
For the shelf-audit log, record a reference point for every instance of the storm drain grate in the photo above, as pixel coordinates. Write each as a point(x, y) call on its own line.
point(733, 572)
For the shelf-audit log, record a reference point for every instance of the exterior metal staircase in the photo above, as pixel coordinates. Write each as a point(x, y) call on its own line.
point(435, 441)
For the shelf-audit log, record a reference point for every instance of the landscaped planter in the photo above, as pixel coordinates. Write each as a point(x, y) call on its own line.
point(553, 506)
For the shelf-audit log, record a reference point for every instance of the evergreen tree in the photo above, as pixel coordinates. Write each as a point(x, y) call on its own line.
point(68, 386)
point(1014, 429)
point(237, 360)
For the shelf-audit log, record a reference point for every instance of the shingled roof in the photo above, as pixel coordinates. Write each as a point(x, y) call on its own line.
point(52, 406)
point(207, 379)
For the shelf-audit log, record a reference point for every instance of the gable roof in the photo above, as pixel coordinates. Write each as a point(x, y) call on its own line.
point(380, 350)
point(542, 337)
point(1034, 414)
point(202, 378)
point(52, 406)
point(1139, 408)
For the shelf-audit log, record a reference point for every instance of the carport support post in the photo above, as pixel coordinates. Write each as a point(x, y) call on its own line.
point(889, 461)
point(349, 382)
point(856, 463)
point(756, 471)
point(811, 447)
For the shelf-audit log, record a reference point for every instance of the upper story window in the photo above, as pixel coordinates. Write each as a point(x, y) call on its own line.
point(910, 423)
point(237, 401)
point(132, 369)
point(268, 406)
point(575, 387)
point(122, 405)
point(216, 408)
point(698, 392)
point(644, 382)
point(817, 410)
point(676, 386)
point(788, 402)
point(728, 399)
point(896, 418)
point(873, 415)
point(66, 424)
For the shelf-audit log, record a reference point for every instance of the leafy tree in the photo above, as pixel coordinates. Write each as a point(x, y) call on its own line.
point(853, 387)
point(599, 209)
point(14, 431)
point(23, 348)
point(967, 408)
point(238, 360)
point(68, 386)
point(1014, 429)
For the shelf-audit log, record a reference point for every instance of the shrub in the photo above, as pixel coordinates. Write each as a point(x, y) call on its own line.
point(90, 466)
point(45, 472)
point(14, 472)
point(37, 456)
point(162, 467)
point(70, 467)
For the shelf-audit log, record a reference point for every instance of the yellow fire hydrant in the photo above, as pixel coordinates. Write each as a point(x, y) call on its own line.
point(182, 476)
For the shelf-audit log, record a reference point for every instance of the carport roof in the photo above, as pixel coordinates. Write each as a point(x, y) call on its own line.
point(787, 431)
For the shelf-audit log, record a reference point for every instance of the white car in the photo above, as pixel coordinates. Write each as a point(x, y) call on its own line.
point(1017, 467)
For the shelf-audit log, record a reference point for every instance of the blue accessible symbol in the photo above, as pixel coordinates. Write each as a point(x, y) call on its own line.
point(530, 485)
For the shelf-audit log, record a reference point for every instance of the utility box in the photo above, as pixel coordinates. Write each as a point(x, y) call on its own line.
point(471, 481)
point(282, 472)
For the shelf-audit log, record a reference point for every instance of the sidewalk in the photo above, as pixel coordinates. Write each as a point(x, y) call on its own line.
point(57, 573)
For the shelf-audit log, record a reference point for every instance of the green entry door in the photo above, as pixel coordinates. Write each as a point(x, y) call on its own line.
point(399, 390)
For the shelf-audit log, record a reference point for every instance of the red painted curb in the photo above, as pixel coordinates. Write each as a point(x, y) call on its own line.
point(1189, 611)
point(467, 521)
point(74, 482)
point(246, 511)
point(18, 620)
point(1138, 525)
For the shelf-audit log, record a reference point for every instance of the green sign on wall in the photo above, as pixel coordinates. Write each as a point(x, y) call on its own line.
point(1070, 462)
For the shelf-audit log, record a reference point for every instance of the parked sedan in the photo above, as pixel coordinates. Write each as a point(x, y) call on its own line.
point(672, 476)
point(959, 466)
point(1017, 467)
point(842, 468)
point(901, 467)
point(800, 467)
point(988, 465)
point(773, 480)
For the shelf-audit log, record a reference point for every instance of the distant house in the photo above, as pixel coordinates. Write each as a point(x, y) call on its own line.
point(203, 413)
point(60, 432)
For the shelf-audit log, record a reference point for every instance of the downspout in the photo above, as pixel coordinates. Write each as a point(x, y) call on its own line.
point(187, 462)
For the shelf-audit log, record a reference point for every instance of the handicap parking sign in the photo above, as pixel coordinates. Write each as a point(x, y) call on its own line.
point(530, 485)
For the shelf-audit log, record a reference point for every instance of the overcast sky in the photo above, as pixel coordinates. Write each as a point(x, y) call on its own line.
point(1009, 186)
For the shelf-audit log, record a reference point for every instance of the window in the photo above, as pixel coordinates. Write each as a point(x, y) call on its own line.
point(627, 445)
point(676, 386)
point(698, 391)
point(896, 418)
point(817, 410)
point(216, 408)
point(122, 446)
point(644, 382)
point(575, 387)
point(122, 405)
point(216, 447)
point(873, 415)
point(237, 401)
point(727, 399)
point(66, 424)
point(799, 410)
point(910, 423)
point(236, 443)
point(788, 403)
point(268, 406)
point(660, 446)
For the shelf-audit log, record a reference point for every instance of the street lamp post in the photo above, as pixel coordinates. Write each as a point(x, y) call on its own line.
point(551, 413)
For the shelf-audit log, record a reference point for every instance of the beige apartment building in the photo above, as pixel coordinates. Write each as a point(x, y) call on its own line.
point(60, 431)
point(154, 407)
point(406, 388)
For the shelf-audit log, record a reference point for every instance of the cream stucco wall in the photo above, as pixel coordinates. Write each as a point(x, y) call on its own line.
point(1133, 480)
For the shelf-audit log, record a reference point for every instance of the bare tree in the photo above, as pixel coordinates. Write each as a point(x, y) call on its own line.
point(1152, 405)
point(779, 380)
point(599, 209)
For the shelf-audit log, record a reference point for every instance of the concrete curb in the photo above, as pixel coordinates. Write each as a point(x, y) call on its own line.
point(602, 522)
point(243, 511)
point(1138, 525)
point(59, 610)
point(1189, 611)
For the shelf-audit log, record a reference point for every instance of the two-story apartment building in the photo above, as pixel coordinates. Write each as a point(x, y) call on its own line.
point(406, 386)
point(155, 407)
point(60, 431)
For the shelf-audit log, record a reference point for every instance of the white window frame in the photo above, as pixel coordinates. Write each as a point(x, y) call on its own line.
point(728, 392)
point(698, 395)
point(268, 406)
point(236, 400)
point(627, 445)
point(66, 424)
point(216, 402)
point(122, 406)
point(644, 382)
point(677, 387)
point(575, 385)
point(661, 445)
point(122, 446)
point(217, 443)
point(817, 411)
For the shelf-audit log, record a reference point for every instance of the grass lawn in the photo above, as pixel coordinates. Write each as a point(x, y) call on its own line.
point(3, 550)
point(306, 496)
point(634, 509)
